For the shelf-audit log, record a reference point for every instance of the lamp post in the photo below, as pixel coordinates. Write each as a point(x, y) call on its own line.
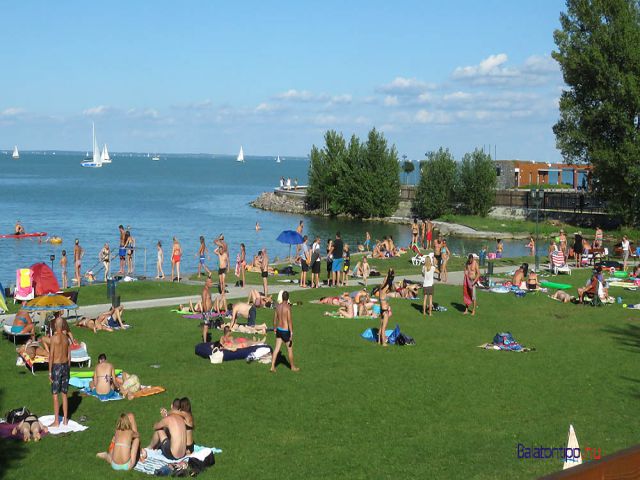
point(52, 258)
point(537, 195)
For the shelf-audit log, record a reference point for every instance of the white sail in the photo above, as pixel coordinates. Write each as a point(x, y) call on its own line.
point(15, 155)
point(105, 158)
point(572, 443)
point(96, 160)
point(240, 155)
point(156, 157)
point(278, 159)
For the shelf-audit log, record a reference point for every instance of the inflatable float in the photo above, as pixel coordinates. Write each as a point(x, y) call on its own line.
point(558, 286)
point(55, 240)
point(24, 235)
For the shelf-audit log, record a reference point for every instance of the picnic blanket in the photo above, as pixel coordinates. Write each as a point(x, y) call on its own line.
point(145, 390)
point(72, 426)
point(6, 428)
point(505, 341)
point(155, 460)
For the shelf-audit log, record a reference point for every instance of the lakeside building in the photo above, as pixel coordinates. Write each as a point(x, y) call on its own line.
point(521, 173)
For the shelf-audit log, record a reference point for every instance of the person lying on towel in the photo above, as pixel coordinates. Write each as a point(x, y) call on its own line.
point(104, 377)
point(23, 324)
point(32, 349)
point(106, 321)
point(30, 429)
point(228, 342)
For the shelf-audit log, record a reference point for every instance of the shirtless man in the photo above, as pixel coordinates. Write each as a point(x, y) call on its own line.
point(437, 253)
point(245, 310)
point(122, 251)
point(223, 261)
point(59, 372)
point(205, 302)
point(170, 435)
point(19, 229)
point(78, 253)
point(259, 300)
point(104, 377)
point(264, 272)
point(283, 324)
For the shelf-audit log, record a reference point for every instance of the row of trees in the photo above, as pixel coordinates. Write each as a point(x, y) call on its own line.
point(444, 182)
point(359, 178)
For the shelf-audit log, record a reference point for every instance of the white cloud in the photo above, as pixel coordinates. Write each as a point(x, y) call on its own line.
point(265, 107)
point(457, 96)
point(535, 70)
point(12, 112)
point(345, 98)
point(390, 101)
point(489, 67)
point(325, 120)
point(97, 111)
point(425, 116)
point(296, 96)
point(151, 113)
point(425, 97)
point(405, 86)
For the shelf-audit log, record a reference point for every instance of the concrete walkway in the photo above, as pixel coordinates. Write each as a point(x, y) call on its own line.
point(455, 278)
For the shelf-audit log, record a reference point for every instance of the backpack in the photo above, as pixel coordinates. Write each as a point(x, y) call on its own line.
point(503, 339)
point(403, 340)
point(17, 415)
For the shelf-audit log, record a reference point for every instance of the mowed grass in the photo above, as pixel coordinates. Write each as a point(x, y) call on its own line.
point(440, 409)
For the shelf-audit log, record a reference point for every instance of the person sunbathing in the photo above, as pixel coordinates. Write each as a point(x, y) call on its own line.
point(346, 309)
point(259, 299)
point(94, 324)
point(23, 324)
point(258, 329)
point(562, 296)
point(331, 300)
point(104, 377)
point(192, 308)
point(532, 281)
point(30, 428)
point(228, 342)
point(125, 450)
point(130, 385)
point(590, 290)
point(32, 349)
point(520, 275)
point(379, 250)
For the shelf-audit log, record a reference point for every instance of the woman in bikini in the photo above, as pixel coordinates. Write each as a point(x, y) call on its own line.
point(444, 260)
point(63, 269)
point(23, 324)
point(105, 258)
point(241, 264)
point(385, 309)
point(228, 342)
point(532, 281)
point(415, 232)
point(30, 429)
point(160, 260)
point(94, 324)
point(130, 246)
point(176, 255)
point(124, 451)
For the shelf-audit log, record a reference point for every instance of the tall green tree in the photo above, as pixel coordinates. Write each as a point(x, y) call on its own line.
point(436, 189)
point(477, 181)
point(407, 168)
point(381, 171)
point(599, 54)
point(325, 167)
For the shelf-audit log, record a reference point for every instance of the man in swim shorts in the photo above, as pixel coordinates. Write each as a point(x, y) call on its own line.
point(205, 301)
point(305, 260)
point(264, 271)
point(59, 372)
point(122, 251)
point(245, 310)
point(336, 266)
point(170, 435)
point(283, 325)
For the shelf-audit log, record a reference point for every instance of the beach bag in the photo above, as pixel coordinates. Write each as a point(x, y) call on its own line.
point(315, 256)
point(503, 339)
point(403, 340)
point(216, 357)
point(17, 415)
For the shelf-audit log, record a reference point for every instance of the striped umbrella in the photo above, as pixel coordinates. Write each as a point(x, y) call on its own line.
point(50, 302)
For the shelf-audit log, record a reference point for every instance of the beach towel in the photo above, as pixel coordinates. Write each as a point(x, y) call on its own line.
point(181, 312)
point(500, 289)
point(468, 290)
point(155, 460)
point(72, 426)
point(359, 317)
point(147, 391)
point(6, 428)
point(371, 334)
point(91, 392)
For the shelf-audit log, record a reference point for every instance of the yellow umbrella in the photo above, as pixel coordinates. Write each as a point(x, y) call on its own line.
point(50, 302)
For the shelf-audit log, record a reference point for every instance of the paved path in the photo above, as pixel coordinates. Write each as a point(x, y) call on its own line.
point(455, 278)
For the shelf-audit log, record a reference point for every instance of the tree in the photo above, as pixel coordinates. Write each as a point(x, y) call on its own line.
point(325, 166)
point(435, 191)
point(599, 54)
point(477, 182)
point(407, 168)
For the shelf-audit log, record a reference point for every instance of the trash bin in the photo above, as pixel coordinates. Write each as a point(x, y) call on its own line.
point(111, 287)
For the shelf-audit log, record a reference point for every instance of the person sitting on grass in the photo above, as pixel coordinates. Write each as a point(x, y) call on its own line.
point(591, 289)
point(259, 299)
point(346, 309)
point(124, 451)
point(532, 281)
point(519, 277)
point(23, 324)
point(170, 433)
point(362, 270)
point(104, 377)
point(228, 342)
point(30, 428)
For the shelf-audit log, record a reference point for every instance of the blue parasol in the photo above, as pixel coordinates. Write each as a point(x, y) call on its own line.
point(290, 237)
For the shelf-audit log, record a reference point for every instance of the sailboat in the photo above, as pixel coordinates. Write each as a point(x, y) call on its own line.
point(15, 155)
point(278, 159)
point(96, 160)
point(156, 157)
point(105, 158)
point(240, 155)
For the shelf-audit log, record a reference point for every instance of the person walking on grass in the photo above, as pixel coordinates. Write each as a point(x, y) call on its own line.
point(415, 233)
point(203, 255)
point(283, 326)
point(241, 264)
point(305, 260)
point(59, 372)
point(444, 260)
point(264, 272)
point(428, 270)
point(471, 275)
point(160, 260)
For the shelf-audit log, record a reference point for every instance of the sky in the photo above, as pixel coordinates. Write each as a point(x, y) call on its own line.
point(273, 76)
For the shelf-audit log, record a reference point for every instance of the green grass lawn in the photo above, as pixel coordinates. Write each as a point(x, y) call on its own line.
point(440, 409)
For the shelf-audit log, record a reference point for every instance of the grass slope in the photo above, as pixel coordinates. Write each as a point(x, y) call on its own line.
point(440, 409)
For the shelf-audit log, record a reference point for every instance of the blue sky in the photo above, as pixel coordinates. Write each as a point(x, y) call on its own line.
point(204, 76)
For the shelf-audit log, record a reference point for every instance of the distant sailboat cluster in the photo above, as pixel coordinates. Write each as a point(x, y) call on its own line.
point(98, 158)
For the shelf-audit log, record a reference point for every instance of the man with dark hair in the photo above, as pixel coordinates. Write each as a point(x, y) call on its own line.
point(305, 260)
point(59, 372)
point(283, 325)
point(336, 267)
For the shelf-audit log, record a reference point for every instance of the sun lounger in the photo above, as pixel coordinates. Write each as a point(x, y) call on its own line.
point(6, 329)
point(558, 263)
point(79, 356)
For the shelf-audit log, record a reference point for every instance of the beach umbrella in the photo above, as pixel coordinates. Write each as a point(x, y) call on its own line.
point(50, 302)
point(290, 237)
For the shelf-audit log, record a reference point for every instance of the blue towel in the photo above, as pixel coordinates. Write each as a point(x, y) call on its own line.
point(112, 395)
point(371, 334)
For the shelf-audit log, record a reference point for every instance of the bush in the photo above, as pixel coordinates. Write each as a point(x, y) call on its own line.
point(435, 192)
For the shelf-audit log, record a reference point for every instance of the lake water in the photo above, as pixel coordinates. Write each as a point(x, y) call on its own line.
point(181, 195)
